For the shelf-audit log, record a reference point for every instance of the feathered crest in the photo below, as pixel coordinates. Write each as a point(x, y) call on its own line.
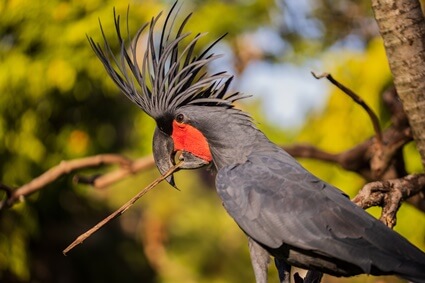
point(170, 75)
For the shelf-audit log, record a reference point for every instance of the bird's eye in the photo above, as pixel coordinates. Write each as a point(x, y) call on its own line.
point(179, 118)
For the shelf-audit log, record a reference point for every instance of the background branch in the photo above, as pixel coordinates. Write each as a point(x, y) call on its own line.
point(102, 181)
point(127, 167)
point(357, 99)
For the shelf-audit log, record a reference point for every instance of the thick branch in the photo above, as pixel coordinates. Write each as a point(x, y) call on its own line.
point(402, 26)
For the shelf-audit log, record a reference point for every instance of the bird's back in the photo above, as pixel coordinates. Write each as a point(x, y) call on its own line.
point(310, 223)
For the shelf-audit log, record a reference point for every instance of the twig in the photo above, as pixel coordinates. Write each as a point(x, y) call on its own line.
point(358, 100)
point(122, 209)
point(62, 168)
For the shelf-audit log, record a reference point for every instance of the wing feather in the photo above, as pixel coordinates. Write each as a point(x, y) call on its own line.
point(278, 203)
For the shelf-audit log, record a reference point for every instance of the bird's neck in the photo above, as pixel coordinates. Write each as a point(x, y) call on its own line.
point(233, 137)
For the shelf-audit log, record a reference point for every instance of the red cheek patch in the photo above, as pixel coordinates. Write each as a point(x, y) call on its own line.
point(190, 139)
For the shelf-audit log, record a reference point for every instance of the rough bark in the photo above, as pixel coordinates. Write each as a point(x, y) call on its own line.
point(402, 26)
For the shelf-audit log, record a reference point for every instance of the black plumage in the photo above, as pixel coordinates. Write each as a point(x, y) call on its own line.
point(285, 211)
point(309, 223)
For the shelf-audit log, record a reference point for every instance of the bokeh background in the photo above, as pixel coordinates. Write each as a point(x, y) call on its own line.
point(57, 103)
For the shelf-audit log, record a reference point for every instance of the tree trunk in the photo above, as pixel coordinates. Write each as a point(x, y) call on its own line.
point(402, 26)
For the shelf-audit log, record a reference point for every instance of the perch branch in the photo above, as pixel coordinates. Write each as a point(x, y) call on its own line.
point(389, 195)
point(122, 209)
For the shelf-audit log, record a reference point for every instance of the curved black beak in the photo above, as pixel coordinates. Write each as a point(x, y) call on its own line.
point(163, 154)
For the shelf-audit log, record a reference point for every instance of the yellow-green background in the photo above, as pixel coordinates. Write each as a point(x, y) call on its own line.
point(57, 103)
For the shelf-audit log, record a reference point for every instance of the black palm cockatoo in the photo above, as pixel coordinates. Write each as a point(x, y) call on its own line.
point(285, 211)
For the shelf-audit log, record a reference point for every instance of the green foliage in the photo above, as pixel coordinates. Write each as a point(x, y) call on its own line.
point(56, 103)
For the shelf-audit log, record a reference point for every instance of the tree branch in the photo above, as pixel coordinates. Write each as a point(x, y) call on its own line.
point(389, 195)
point(66, 167)
point(402, 27)
point(355, 159)
point(363, 158)
point(103, 181)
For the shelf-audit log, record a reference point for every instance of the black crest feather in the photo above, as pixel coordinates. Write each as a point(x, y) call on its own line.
point(170, 74)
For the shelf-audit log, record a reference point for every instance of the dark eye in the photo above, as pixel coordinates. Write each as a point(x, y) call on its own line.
point(179, 118)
